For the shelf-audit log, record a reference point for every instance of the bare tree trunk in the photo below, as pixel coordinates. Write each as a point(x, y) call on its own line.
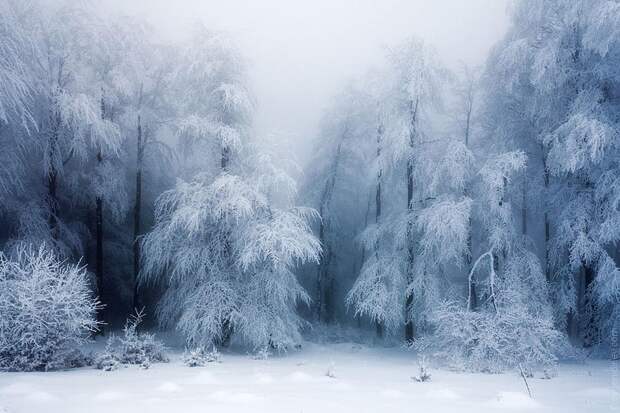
point(137, 218)
point(473, 296)
point(324, 301)
point(225, 158)
point(496, 254)
point(473, 301)
point(363, 252)
point(546, 178)
point(378, 326)
point(409, 322)
point(52, 178)
point(227, 328)
point(590, 309)
point(409, 325)
point(319, 270)
point(524, 204)
point(99, 232)
point(99, 250)
point(590, 333)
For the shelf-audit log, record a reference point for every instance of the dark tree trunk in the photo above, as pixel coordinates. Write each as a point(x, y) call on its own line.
point(52, 180)
point(409, 321)
point(473, 295)
point(547, 225)
point(137, 218)
point(225, 158)
point(363, 252)
point(324, 281)
point(99, 233)
point(524, 205)
point(497, 254)
point(227, 327)
point(319, 270)
point(378, 326)
point(409, 327)
point(473, 301)
point(324, 301)
point(99, 252)
point(52, 186)
point(590, 309)
point(590, 334)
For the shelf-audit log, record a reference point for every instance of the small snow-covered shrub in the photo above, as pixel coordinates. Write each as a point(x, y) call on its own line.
point(78, 358)
point(108, 360)
point(423, 374)
point(262, 354)
point(132, 347)
point(139, 348)
point(331, 370)
point(47, 311)
point(199, 357)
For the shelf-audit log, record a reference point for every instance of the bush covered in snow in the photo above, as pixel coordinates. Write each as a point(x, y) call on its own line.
point(133, 347)
point(513, 327)
point(138, 348)
point(262, 353)
point(46, 308)
point(108, 359)
point(200, 356)
point(423, 374)
point(489, 342)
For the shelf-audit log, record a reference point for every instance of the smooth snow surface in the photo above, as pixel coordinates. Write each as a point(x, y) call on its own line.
point(364, 380)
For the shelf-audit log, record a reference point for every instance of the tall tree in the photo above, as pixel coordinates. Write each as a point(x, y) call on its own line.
point(417, 76)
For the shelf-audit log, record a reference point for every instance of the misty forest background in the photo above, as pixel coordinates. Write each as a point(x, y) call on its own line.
point(472, 214)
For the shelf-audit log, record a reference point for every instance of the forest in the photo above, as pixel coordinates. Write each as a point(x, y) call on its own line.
point(468, 218)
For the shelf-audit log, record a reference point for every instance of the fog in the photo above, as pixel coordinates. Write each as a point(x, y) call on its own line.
point(302, 52)
point(299, 200)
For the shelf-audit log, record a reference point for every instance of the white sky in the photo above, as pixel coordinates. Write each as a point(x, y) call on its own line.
point(302, 52)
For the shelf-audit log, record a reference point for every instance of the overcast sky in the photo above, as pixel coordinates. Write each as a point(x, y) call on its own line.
point(302, 52)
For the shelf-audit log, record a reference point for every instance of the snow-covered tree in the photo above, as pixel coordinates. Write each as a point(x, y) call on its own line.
point(558, 68)
point(411, 101)
point(16, 76)
point(226, 254)
point(215, 105)
point(226, 233)
point(513, 323)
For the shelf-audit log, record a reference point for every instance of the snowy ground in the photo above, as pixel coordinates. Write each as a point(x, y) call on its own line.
point(367, 380)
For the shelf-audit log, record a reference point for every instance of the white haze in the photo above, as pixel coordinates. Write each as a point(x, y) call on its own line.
point(302, 52)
